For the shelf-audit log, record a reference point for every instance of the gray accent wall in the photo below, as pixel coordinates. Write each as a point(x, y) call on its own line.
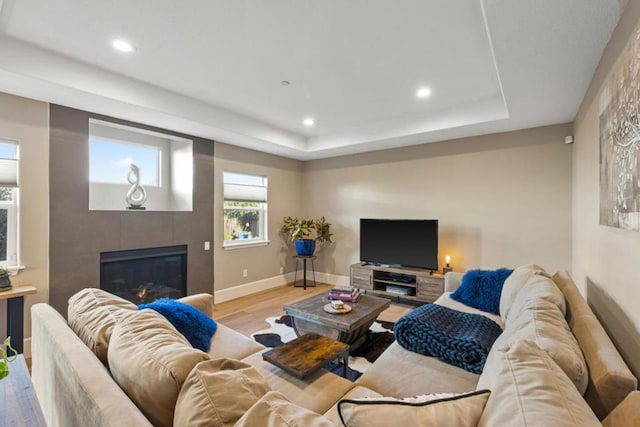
point(78, 235)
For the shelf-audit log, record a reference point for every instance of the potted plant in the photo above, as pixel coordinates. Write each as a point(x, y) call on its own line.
point(5, 280)
point(4, 359)
point(306, 232)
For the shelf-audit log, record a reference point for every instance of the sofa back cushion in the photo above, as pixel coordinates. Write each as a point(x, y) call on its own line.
point(542, 322)
point(150, 360)
point(218, 392)
point(528, 388)
point(92, 314)
point(514, 283)
point(536, 287)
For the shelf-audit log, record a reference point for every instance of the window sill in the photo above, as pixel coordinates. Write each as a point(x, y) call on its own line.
point(15, 269)
point(228, 246)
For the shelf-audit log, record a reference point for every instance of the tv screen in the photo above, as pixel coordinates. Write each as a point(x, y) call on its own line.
point(400, 242)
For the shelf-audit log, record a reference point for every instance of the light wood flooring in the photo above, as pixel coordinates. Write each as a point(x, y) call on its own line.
point(247, 314)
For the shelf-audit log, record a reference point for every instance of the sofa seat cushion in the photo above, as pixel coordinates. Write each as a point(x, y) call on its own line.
point(446, 300)
point(542, 322)
point(442, 409)
point(92, 314)
point(528, 388)
point(274, 410)
point(455, 337)
point(399, 372)
point(217, 393)
point(318, 392)
point(150, 360)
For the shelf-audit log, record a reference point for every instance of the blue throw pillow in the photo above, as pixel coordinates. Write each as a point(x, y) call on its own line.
point(197, 327)
point(481, 289)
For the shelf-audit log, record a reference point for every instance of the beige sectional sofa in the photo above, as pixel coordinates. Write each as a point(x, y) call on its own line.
point(82, 368)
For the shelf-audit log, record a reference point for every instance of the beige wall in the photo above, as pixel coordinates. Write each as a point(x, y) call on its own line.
point(284, 198)
point(502, 199)
point(27, 121)
point(605, 259)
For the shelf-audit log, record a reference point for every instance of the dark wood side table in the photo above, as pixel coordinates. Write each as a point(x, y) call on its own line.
point(15, 313)
point(307, 354)
point(19, 405)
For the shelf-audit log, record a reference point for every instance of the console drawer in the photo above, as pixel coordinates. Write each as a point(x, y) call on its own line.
point(429, 288)
point(361, 278)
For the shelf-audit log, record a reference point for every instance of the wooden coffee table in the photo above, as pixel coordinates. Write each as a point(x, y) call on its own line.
point(305, 355)
point(351, 328)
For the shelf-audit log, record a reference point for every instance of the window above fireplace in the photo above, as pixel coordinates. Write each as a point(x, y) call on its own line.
point(153, 169)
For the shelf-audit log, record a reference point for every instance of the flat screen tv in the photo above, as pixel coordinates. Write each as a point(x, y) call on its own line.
point(400, 242)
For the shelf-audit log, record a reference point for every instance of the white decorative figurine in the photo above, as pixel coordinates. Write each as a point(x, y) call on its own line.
point(136, 196)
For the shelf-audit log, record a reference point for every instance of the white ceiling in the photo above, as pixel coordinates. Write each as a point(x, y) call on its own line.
point(213, 68)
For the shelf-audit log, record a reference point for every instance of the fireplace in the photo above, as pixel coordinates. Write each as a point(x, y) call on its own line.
point(144, 275)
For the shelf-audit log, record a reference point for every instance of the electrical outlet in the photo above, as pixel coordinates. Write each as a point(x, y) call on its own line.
point(207, 246)
point(245, 272)
point(281, 270)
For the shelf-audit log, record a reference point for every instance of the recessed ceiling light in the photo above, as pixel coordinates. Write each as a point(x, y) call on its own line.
point(308, 122)
point(423, 92)
point(122, 46)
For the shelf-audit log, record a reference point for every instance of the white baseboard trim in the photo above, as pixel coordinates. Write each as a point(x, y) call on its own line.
point(332, 279)
point(229, 294)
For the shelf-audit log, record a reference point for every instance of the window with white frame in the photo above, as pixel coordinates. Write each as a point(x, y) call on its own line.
point(164, 163)
point(8, 203)
point(245, 209)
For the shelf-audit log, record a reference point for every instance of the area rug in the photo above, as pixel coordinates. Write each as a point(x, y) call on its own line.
point(381, 336)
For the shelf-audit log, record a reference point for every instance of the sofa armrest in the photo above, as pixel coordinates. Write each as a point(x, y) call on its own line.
point(627, 413)
point(203, 302)
point(452, 281)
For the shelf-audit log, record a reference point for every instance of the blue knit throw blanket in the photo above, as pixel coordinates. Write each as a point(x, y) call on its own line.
point(457, 338)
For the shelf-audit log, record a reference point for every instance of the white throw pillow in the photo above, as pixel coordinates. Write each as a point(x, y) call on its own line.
point(450, 409)
point(529, 389)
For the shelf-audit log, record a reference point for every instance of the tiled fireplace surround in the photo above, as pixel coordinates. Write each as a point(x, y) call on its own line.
point(78, 236)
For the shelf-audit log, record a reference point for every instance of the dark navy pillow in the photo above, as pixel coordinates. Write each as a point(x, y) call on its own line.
point(197, 327)
point(481, 289)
